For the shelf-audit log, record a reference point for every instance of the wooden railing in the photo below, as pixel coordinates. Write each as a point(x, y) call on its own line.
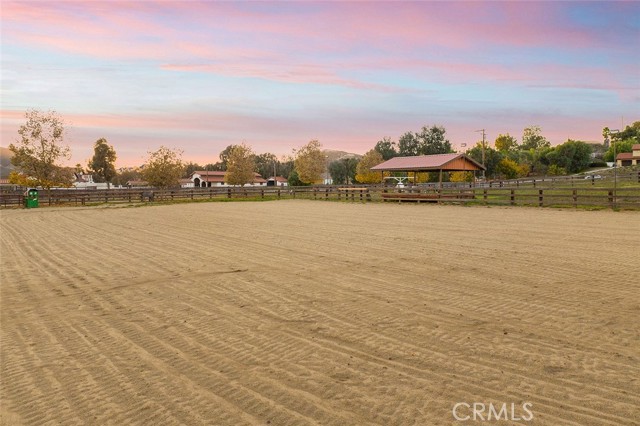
point(582, 196)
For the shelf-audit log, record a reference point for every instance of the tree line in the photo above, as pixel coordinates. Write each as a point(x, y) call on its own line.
point(40, 147)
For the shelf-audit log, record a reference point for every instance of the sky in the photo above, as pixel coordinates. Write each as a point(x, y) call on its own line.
point(199, 76)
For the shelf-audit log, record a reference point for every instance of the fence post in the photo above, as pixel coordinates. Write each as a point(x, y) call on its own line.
point(278, 193)
point(484, 196)
point(368, 195)
point(611, 199)
point(540, 198)
point(513, 198)
point(326, 193)
point(229, 192)
point(575, 198)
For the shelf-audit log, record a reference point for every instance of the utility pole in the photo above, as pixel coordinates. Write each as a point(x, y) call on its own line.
point(615, 169)
point(483, 139)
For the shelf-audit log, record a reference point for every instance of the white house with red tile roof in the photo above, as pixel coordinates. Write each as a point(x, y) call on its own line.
point(212, 178)
point(277, 181)
point(629, 158)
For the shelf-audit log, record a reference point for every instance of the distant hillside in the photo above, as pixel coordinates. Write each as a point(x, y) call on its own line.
point(339, 155)
point(5, 162)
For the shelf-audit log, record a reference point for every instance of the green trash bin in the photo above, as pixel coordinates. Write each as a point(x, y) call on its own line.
point(31, 198)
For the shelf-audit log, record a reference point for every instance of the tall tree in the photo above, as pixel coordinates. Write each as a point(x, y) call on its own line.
point(343, 171)
point(39, 148)
point(102, 165)
point(240, 165)
point(387, 148)
point(572, 156)
point(619, 147)
point(532, 139)
point(266, 163)
point(191, 167)
point(506, 143)
point(363, 170)
point(408, 145)
point(163, 167)
point(224, 157)
point(338, 172)
point(432, 140)
point(492, 158)
point(310, 162)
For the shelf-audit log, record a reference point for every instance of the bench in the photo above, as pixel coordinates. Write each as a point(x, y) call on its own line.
point(426, 197)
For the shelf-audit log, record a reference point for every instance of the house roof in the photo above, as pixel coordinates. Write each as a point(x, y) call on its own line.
point(216, 176)
point(626, 156)
point(279, 179)
point(636, 146)
point(449, 162)
point(209, 173)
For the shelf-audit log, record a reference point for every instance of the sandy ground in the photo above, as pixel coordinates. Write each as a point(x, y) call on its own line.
point(310, 312)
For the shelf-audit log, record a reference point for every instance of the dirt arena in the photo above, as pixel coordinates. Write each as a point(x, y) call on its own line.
point(310, 312)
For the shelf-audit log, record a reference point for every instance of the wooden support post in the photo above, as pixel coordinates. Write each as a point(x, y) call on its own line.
point(575, 198)
point(540, 198)
point(484, 196)
point(440, 180)
point(513, 198)
point(229, 192)
point(611, 199)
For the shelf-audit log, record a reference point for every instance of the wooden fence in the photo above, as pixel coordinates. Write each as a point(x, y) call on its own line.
point(583, 196)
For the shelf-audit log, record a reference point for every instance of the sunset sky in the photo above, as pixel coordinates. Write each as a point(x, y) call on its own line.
point(203, 75)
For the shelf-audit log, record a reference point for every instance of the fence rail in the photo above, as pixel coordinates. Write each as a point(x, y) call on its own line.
point(584, 196)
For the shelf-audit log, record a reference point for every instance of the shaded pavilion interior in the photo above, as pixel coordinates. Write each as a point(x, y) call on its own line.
point(430, 163)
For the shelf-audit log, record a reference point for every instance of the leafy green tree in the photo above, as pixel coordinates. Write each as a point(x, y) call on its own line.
point(265, 164)
point(387, 148)
point(102, 164)
point(285, 166)
point(572, 156)
point(191, 167)
point(506, 143)
point(163, 167)
point(240, 165)
point(294, 179)
point(310, 162)
point(532, 139)
point(432, 141)
point(224, 157)
point(618, 147)
point(408, 145)
point(338, 172)
point(39, 148)
point(364, 174)
point(630, 132)
point(127, 175)
point(556, 170)
point(491, 160)
point(343, 171)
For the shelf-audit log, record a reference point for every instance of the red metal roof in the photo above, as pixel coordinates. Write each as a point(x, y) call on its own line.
point(426, 162)
point(636, 146)
point(626, 156)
